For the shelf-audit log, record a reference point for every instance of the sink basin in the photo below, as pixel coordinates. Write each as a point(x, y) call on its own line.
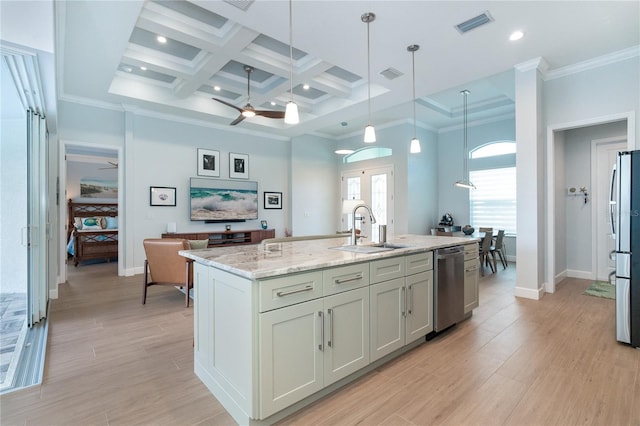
point(371, 248)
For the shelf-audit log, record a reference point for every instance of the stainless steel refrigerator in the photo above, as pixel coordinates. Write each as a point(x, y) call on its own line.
point(625, 226)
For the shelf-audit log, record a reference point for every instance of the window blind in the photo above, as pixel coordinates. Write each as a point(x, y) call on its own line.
point(493, 203)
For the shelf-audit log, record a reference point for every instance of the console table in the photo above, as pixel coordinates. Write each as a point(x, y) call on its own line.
point(226, 238)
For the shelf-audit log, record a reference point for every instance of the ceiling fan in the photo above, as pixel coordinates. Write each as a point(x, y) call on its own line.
point(112, 165)
point(248, 110)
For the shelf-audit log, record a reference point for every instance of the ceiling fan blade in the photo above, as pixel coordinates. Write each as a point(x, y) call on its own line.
point(237, 120)
point(228, 104)
point(271, 114)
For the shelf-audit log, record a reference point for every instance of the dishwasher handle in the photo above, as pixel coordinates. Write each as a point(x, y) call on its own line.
point(444, 253)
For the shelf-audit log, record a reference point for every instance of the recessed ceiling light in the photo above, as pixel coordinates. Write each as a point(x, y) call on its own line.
point(216, 88)
point(305, 87)
point(127, 68)
point(143, 68)
point(516, 35)
point(161, 39)
point(273, 103)
point(344, 151)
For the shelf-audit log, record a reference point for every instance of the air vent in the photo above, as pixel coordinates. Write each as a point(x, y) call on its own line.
point(240, 4)
point(391, 73)
point(475, 22)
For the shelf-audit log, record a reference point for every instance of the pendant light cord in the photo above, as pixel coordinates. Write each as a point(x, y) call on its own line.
point(466, 155)
point(413, 62)
point(291, 50)
point(369, 71)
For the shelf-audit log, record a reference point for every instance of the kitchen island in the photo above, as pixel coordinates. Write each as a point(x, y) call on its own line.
point(279, 325)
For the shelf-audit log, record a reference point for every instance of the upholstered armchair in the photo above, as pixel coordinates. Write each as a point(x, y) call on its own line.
point(164, 266)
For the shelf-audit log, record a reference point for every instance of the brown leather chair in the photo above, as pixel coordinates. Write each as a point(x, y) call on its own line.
point(166, 266)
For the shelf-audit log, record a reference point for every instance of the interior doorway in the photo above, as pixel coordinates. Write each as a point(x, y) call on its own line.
point(603, 158)
point(85, 162)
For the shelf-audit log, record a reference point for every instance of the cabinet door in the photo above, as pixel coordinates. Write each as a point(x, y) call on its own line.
point(387, 317)
point(419, 306)
point(346, 348)
point(291, 350)
point(471, 294)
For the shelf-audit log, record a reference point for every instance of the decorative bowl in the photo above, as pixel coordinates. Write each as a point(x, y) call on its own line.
point(468, 230)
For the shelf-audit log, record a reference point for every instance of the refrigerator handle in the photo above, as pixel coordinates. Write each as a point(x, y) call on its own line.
point(612, 203)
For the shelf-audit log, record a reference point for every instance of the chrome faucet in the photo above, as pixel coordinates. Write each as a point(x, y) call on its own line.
point(354, 239)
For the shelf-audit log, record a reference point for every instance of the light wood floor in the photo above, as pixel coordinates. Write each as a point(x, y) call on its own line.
point(113, 361)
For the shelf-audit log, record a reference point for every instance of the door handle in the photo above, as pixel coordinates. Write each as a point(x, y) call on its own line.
point(410, 295)
point(330, 342)
point(612, 203)
point(403, 301)
point(321, 317)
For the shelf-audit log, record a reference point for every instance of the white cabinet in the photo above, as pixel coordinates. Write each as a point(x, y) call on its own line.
point(401, 308)
point(346, 334)
point(291, 366)
point(419, 306)
point(308, 346)
point(471, 278)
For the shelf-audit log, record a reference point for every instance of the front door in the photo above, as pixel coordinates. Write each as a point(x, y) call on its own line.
point(375, 187)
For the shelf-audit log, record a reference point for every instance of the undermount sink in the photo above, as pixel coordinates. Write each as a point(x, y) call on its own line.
point(371, 248)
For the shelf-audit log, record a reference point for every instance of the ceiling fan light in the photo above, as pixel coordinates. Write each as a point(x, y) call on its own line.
point(415, 146)
point(369, 134)
point(248, 113)
point(291, 113)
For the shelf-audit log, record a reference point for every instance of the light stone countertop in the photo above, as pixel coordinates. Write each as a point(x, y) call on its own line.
point(258, 261)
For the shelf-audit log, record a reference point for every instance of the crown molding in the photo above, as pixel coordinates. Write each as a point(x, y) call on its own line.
point(600, 61)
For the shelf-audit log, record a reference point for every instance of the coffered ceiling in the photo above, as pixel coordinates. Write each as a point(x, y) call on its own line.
point(108, 52)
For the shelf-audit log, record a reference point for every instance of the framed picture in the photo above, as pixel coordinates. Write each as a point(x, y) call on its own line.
point(238, 166)
point(162, 196)
point(273, 200)
point(208, 162)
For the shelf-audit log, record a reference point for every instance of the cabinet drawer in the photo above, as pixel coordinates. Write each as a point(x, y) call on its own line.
point(288, 290)
point(343, 278)
point(387, 269)
point(419, 262)
point(470, 251)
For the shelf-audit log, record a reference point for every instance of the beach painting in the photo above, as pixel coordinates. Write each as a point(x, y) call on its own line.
point(98, 188)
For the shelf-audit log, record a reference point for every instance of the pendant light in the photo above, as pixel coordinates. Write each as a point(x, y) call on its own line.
point(415, 143)
point(291, 113)
point(369, 131)
point(465, 183)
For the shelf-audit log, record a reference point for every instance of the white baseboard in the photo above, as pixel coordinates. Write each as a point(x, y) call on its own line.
point(133, 271)
point(559, 277)
point(583, 275)
point(529, 293)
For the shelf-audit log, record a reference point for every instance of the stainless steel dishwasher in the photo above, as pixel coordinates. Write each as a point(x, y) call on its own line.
point(449, 288)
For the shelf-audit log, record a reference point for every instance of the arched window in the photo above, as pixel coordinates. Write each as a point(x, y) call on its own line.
point(367, 153)
point(493, 149)
point(492, 169)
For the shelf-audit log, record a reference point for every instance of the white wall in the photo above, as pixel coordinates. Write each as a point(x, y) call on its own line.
point(415, 201)
point(577, 173)
point(600, 92)
point(314, 187)
point(452, 199)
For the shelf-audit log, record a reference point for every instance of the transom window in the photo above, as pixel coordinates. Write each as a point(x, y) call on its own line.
point(493, 149)
point(368, 153)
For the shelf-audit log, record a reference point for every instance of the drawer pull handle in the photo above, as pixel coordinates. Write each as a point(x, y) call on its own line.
point(347, 280)
point(300, 290)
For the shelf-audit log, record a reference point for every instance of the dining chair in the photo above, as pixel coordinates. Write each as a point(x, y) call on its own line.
point(484, 229)
point(444, 233)
point(166, 266)
point(485, 251)
point(497, 247)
